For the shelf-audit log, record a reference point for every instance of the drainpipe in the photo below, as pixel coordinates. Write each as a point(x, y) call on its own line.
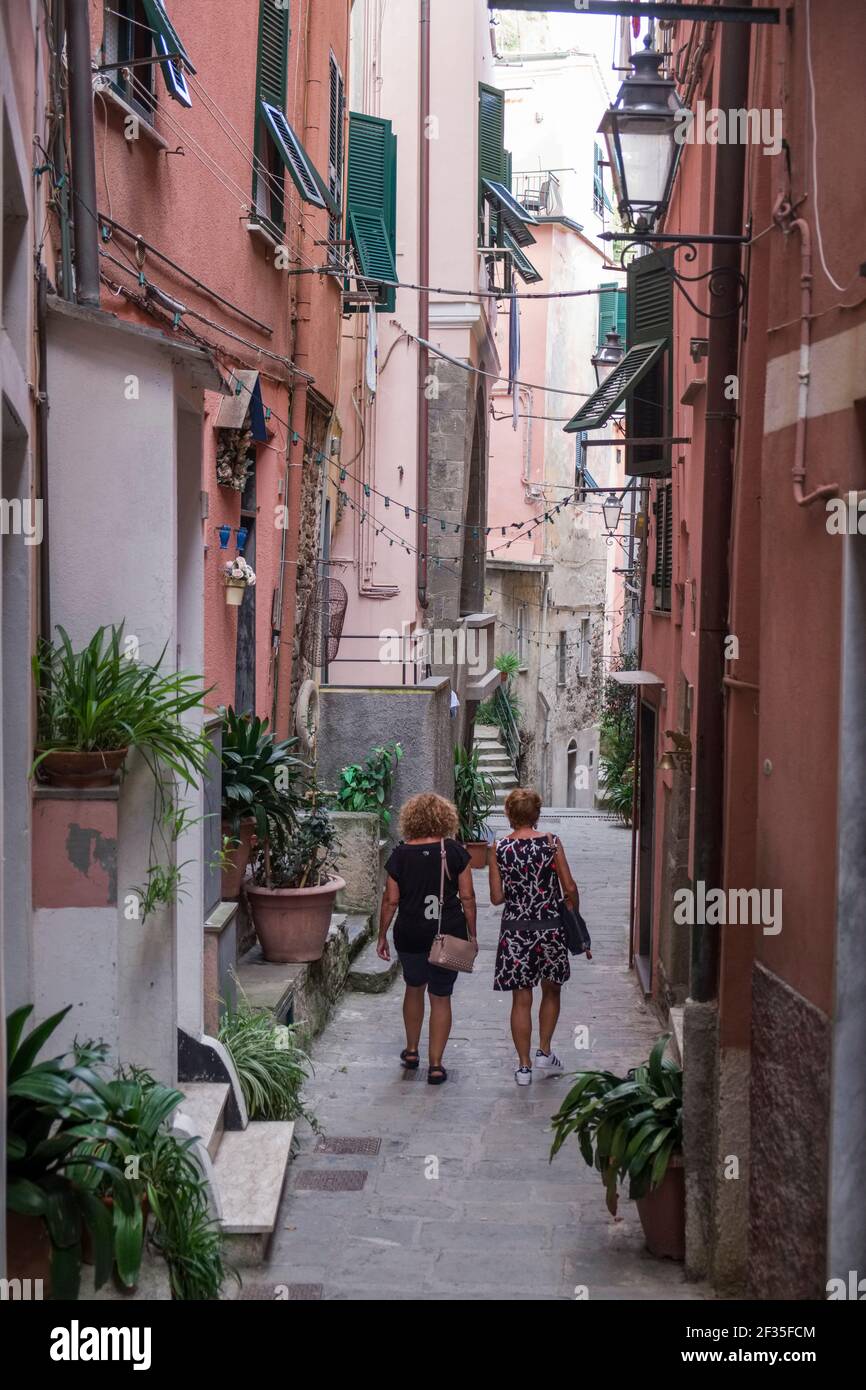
point(721, 421)
point(422, 531)
point(83, 158)
point(783, 217)
point(42, 447)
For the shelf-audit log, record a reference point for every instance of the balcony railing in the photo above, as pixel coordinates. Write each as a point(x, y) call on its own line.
point(539, 192)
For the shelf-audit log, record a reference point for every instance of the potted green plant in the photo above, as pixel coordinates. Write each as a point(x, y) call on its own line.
point(256, 771)
point(474, 795)
point(631, 1129)
point(55, 1115)
point(367, 786)
point(270, 1062)
point(294, 886)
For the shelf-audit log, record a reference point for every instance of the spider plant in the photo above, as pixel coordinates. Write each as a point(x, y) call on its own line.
point(628, 1127)
point(270, 1062)
point(101, 699)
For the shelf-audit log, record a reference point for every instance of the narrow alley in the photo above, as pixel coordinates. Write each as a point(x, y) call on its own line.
point(499, 1221)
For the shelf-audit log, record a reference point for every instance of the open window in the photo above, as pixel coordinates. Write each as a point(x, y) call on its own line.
point(135, 32)
point(643, 378)
point(371, 210)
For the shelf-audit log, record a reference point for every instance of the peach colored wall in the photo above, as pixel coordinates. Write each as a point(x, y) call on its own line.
point(194, 212)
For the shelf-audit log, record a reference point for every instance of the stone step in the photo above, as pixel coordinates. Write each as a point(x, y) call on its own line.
point(250, 1171)
point(486, 731)
point(204, 1105)
point(499, 764)
point(369, 974)
point(358, 928)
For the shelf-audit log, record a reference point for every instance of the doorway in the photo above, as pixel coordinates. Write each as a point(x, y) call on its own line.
point(646, 834)
point(571, 786)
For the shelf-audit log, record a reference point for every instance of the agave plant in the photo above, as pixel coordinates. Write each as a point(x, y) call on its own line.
point(259, 774)
point(474, 795)
point(56, 1124)
point(628, 1127)
point(102, 699)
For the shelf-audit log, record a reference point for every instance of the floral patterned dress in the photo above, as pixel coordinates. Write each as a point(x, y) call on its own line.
point(532, 944)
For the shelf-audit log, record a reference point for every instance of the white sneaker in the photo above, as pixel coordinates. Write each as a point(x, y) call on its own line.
point(548, 1062)
point(523, 1076)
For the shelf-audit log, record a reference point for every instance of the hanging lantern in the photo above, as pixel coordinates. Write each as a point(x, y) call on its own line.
point(641, 130)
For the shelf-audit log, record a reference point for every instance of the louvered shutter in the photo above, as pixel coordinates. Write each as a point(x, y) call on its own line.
point(662, 578)
point(271, 76)
point(492, 160)
point(650, 319)
point(607, 311)
point(371, 199)
point(336, 123)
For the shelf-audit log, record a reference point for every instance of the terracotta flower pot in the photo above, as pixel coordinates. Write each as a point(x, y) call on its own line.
point(292, 923)
point(663, 1214)
point(28, 1251)
point(236, 859)
point(63, 768)
point(477, 850)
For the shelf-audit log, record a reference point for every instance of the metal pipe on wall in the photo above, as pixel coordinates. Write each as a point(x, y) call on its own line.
point(721, 420)
point(83, 156)
point(423, 296)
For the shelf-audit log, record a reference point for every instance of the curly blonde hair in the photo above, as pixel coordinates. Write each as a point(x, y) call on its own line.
point(522, 807)
point(428, 815)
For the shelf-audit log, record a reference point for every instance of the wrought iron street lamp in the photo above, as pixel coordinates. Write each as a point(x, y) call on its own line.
point(612, 509)
point(641, 129)
point(607, 356)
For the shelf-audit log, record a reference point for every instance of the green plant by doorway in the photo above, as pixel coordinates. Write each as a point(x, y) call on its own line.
point(628, 1128)
point(271, 1064)
point(367, 786)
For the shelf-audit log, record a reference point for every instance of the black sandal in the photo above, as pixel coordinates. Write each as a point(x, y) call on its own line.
point(436, 1080)
point(409, 1058)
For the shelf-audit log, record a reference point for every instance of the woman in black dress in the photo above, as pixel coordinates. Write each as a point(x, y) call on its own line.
point(428, 824)
point(527, 869)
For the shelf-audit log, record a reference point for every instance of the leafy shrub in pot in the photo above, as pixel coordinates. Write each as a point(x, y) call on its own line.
point(294, 885)
point(257, 771)
point(631, 1130)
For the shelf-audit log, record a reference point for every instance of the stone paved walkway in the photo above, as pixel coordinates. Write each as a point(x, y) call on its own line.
point(499, 1221)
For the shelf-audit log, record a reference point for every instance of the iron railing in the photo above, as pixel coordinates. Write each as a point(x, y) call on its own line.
point(509, 729)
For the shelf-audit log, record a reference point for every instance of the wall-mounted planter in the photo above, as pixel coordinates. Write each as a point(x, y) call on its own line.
point(67, 768)
point(292, 923)
point(235, 592)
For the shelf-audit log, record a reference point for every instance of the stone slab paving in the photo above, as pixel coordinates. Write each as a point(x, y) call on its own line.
point(460, 1201)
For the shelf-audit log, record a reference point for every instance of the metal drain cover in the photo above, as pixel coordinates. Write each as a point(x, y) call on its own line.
point(331, 1180)
point(348, 1144)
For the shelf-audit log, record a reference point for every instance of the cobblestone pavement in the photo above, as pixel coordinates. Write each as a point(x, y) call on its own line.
point(499, 1221)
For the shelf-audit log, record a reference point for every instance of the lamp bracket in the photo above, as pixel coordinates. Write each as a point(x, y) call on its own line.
point(721, 280)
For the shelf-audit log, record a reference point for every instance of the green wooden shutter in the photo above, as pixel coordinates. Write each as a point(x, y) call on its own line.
point(371, 197)
point(649, 411)
point(493, 163)
point(612, 311)
point(663, 575)
point(272, 71)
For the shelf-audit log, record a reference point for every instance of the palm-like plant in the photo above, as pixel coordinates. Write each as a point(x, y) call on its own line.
point(101, 699)
point(55, 1119)
point(629, 1127)
point(258, 774)
point(474, 795)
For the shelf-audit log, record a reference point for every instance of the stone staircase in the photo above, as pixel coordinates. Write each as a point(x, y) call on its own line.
point(493, 759)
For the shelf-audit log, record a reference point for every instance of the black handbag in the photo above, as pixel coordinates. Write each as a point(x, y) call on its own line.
point(577, 937)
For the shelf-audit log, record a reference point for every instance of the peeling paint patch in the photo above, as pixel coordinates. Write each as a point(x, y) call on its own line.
point(84, 846)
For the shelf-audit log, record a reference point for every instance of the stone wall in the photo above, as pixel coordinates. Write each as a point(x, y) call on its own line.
point(356, 719)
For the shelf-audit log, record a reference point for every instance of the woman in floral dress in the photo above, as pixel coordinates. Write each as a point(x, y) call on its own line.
point(527, 870)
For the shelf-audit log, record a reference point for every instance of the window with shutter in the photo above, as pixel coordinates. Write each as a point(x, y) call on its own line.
point(137, 29)
point(336, 120)
point(650, 318)
point(371, 204)
point(664, 548)
point(492, 159)
point(271, 91)
point(612, 306)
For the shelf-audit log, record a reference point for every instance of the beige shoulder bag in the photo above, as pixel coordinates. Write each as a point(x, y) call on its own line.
point(451, 952)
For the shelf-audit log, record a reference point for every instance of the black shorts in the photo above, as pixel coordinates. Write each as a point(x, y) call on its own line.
point(418, 972)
